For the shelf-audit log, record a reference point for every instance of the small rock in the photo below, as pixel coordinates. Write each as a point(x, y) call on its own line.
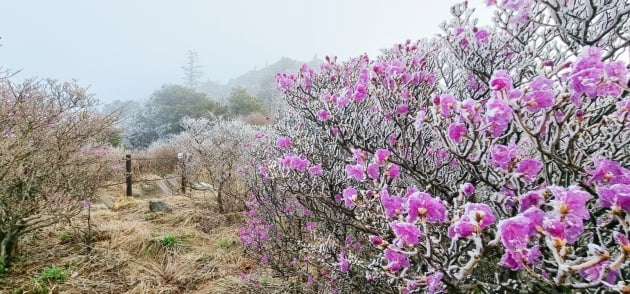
point(158, 206)
point(203, 186)
point(108, 201)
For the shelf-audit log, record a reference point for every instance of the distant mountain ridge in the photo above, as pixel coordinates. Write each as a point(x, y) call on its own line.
point(261, 83)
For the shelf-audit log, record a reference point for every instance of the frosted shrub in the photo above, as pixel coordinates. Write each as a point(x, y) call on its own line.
point(220, 153)
point(52, 150)
point(489, 159)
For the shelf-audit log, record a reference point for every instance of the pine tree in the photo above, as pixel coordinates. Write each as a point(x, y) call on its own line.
point(192, 70)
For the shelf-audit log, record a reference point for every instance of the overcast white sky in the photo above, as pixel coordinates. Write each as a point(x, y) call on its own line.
point(125, 49)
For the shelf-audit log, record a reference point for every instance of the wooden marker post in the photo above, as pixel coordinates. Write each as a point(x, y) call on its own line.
point(128, 173)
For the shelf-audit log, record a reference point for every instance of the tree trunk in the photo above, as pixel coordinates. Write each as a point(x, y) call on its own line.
point(8, 241)
point(220, 197)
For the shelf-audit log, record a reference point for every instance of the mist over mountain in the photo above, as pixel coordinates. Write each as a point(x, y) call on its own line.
point(260, 83)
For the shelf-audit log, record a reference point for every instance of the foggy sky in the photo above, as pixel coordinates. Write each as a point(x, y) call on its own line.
point(125, 49)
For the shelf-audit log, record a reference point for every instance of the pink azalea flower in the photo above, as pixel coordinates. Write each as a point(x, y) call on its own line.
point(587, 72)
point(616, 75)
point(373, 171)
point(358, 155)
point(355, 171)
point(381, 155)
point(433, 283)
point(616, 71)
point(360, 93)
point(392, 140)
point(470, 110)
point(468, 189)
point(541, 83)
point(350, 197)
point(608, 172)
point(593, 273)
point(515, 232)
point(448, 104)
point(298, 163)
point(482, 36)
point(283, 142)
point(529, 168)
point(622, 239)
point(477, 216)
point(334, 131)
point(515, 94)
point(316, 170)
point(457, 131)
point(530, 199)
point(498, 116)
point(295, 162)
point(541, 95)
point(396, 261)
point(502, 156)
point(402, 109)
point(460, 229)
point(536, 217)
point(286, 161)
point(323, 115)
point(407, 235)
point(343, 102)
point(570, 200)
point(393, 171)
point(623, 109)
point(459, 31)
point(284, 81)
point(569, 229)
point(501, 80)
point(421, 115)
point(378, 241)
point(516, 259)
point(409, 287)
point(555, 228)
point(481, 213)
point(307, 74)
point(344, 264)
point(422, 205)
point(310, 226)
point(616, 197)
point(393, 205)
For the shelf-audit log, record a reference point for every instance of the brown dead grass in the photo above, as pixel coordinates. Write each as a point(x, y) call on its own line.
point(128, 255)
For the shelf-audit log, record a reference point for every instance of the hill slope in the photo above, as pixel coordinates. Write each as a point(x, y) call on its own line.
point(261, 83)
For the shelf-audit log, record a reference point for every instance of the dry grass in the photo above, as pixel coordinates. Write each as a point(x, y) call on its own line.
point(190, 250)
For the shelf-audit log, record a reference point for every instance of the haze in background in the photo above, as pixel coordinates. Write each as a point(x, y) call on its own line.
point(126, 49)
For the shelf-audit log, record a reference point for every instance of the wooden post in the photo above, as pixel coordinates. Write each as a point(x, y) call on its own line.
point(184, 181)
point(128, 173)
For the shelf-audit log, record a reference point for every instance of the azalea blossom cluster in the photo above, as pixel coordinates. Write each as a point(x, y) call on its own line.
point(491, 159)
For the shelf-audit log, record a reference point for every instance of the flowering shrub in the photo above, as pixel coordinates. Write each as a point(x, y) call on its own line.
point(218, 150)
point(51, 156)
point(489, 159)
